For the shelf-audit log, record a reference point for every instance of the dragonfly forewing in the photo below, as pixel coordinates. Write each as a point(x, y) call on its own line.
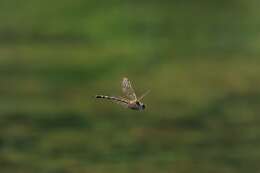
point(128, 89)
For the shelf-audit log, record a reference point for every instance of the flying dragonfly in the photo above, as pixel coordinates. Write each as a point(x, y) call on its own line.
point(130, 100)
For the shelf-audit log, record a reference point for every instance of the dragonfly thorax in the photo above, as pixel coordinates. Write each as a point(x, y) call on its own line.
point(136, 105)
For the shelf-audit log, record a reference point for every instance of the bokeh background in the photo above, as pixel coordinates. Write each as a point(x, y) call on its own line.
point(199, 58)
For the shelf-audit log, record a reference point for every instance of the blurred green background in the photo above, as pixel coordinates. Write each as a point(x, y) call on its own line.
point(199, 58)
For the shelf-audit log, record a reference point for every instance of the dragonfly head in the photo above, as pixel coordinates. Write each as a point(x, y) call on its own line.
point(141, 105)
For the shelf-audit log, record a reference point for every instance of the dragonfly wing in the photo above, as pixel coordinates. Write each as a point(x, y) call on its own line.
point(125, 105)
point(117, 100)
point(140, 98)
point(128, 89)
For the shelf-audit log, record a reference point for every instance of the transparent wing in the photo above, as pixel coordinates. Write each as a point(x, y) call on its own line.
point(121, 101)
point(125, 105)
point(114, 99)
point(128, 89)
point(140, 98)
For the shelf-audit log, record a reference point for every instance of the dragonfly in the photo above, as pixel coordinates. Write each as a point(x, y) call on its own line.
point(130, 100)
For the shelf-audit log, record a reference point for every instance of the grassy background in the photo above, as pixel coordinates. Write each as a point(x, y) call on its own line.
point(200, 59)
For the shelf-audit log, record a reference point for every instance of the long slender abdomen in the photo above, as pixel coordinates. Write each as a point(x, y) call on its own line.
point(110, 98)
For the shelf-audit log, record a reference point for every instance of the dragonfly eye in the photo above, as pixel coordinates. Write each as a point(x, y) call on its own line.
point(138, 103)
point(143, 106)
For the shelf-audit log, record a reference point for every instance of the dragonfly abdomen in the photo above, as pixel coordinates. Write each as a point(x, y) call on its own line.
point(110, 98)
